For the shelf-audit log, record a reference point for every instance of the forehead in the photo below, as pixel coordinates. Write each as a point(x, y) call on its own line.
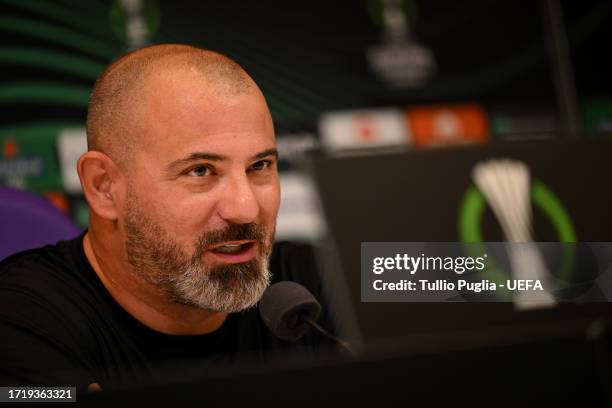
point(183, 113)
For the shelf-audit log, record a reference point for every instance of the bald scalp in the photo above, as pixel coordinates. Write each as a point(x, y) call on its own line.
point(112, 116)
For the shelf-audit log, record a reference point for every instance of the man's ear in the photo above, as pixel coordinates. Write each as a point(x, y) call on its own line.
point(100, 177)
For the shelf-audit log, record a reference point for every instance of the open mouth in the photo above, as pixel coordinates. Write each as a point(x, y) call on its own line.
point(232, 248)
point(235, 252)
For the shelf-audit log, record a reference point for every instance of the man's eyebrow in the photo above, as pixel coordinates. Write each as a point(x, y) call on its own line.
point(214, 157)
point(266, 153)
point(195, 157)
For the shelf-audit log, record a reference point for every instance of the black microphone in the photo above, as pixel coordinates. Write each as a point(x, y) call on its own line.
point(289, 310)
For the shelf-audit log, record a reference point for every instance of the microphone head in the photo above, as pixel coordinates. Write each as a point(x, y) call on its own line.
point(283, 308)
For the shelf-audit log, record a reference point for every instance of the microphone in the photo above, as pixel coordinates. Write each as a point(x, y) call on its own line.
point(289, 310)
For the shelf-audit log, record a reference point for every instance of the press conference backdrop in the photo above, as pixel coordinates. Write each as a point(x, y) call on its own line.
point(341, 74)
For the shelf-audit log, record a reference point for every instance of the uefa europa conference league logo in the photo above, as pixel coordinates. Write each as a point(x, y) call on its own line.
point(471, 270)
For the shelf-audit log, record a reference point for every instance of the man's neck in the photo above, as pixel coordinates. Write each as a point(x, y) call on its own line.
point(141, 301)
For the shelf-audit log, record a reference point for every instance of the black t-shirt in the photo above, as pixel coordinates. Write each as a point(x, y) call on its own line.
point(60, 326)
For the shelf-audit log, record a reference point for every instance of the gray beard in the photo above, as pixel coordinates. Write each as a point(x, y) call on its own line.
point(224, 290)
point(187, 280)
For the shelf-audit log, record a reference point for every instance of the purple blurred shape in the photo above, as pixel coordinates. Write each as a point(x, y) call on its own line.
point(29, 221)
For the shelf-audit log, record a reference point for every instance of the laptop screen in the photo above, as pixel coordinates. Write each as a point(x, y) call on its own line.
point(427, 196)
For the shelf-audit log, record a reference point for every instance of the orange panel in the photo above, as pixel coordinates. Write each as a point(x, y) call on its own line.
point(448, 125)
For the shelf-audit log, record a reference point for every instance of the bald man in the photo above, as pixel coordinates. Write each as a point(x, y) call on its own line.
point(182, 183)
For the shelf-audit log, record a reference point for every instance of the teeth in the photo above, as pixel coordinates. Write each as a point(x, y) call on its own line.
point(229, 249)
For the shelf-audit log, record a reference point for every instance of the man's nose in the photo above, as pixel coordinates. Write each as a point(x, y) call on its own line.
point(238, 203)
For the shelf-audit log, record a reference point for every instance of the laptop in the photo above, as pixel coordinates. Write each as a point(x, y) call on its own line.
point(420, 196)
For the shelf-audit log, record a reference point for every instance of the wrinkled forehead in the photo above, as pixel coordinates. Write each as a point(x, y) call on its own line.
point(180, 113)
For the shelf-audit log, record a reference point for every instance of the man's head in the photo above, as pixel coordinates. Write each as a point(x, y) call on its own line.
point(181, 161)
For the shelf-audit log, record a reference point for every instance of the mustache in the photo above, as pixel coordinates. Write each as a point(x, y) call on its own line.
point(233, 232)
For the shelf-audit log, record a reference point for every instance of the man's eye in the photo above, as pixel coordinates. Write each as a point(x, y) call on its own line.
point(200, 171)
point(261, 165)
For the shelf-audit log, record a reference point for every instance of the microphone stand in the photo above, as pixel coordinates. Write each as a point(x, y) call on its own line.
point(342, 343)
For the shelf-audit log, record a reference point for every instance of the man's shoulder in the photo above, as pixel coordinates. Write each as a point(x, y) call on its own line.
point(49, 279)
point(46, 311)
point(40, 266)
point(46, 292)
